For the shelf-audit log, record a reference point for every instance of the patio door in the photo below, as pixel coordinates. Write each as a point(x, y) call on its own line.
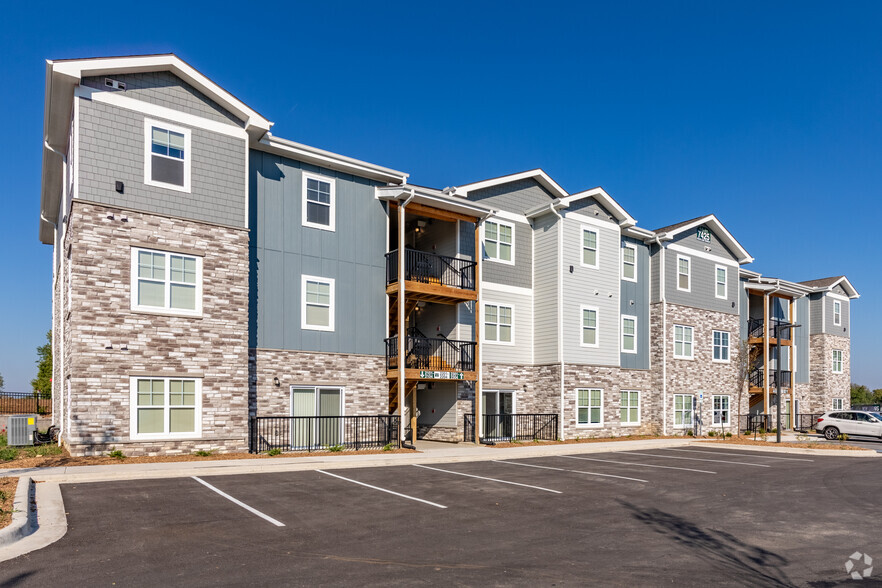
point(322, 405)
point(499, 405)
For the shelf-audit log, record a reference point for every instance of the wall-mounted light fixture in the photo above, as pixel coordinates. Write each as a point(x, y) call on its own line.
point(276, 382)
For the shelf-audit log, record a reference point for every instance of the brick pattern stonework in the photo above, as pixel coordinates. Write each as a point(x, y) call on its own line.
point(363, 378)
point(533, 392)
point(611, 381)
point(106, 342)
point(700, 374)
point(825, 385)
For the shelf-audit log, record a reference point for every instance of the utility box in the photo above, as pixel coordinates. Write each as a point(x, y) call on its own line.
point(20, 429)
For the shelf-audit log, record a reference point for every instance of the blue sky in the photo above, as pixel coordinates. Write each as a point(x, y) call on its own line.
point(766, 114)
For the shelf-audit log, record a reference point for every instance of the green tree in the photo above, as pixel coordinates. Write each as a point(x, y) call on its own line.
point(860, 394)
point(1, 381)
point(42, 384)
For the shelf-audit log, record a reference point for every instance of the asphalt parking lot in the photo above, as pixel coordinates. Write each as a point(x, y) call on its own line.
point(684, 517)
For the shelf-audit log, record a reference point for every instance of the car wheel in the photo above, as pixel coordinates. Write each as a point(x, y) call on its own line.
point(831, 433)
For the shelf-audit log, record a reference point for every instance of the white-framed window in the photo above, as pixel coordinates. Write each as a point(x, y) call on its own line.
point(629, 334)
point(838, 404)
point(319, 202)
point(629, 262)
point(167, 155)
point(316, 401)
point(166, 282)
point(684, 406)
point(499, 241)
point(721, 410)
point(683, 342)
point(590, 331)
point(589, 406)
point(630, 407)
point(721, 275)
point(499, 323)
point(837, 313)
point(589, 248)
point(721, 345)
point(837, 361)
point(317, 303)
point(684, 273)
point(165, 408)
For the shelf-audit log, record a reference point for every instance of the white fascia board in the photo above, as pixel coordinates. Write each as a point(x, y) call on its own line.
point(717, 226)
point(638, 233)
point(80, 68)
point(434, 199)
point(846, 285)
point(555, 205)
point(329, 160)
point(622, 217)
point(537, 174)
point(702, 254)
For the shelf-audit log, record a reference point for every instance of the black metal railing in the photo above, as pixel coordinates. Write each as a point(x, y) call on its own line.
point(757, 422)
point(756, 378)
point(432, 353)
point(430, 268)
point(319, 433)
point(513, 427)
point(24, 403)
point(755, 327)
point(806, 422)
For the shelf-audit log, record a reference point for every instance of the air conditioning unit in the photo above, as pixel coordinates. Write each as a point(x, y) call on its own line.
point(20, 429)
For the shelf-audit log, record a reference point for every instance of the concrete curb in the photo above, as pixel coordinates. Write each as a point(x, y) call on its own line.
point(43, 527)
point(796, 450)
point(22, 523)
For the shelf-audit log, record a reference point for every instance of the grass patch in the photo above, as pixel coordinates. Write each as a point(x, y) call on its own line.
point(10, 453)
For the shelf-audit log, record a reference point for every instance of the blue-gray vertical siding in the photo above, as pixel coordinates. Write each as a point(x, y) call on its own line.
point(635, 302)
point(743, 307)
point(282, 250)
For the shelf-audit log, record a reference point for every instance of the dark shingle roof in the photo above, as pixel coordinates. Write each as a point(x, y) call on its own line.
point(670, 228)
point(823, 282)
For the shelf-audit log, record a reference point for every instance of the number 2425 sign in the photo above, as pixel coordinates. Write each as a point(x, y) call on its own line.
point(703, 234)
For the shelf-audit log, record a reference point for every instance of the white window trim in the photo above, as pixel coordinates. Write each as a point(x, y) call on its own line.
point(594, 230)
point(496, 259)
point(639, 410)
point(728, 347)
point(148, 153)
point(837, 316)
point(717, 268)
point(692, 340)
point(496, 341)
point(692, 412)
point(315, 388)
point(133, 410)
point(841, 361)
point(634, 318)
point(841, 404)
point(688, 274)
point(332, 215)
point(728, 410)
point(167, 309)
point(634, 247)
point(582, 343)
point(332, 306)
point(589, 425)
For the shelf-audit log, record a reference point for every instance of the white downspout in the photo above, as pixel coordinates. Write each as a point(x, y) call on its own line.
point(560, 318)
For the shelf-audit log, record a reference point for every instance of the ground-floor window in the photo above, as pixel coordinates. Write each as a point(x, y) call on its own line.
point(684, 405)
point(630, 407)
point(838, 403)
point(166, 408)
point(721, 410)
point(589, 407)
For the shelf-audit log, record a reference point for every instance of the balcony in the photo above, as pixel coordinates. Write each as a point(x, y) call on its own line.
point(756, 378)
point(435, 278)
point(755, 329)
point(432, 358)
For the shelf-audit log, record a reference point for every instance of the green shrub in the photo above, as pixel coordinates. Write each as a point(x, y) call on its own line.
point(8, 453)
point(42, 450)
point(843, 437)
point(202, 453)
point(117, 453)
point(3, 442)
point(388, 447)
point(335, 448)
point(690, 433)
point(274, 451)
point(711, 433)
point(728, 434)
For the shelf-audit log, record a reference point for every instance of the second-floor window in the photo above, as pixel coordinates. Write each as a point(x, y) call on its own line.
point(318, 303)
point(498, 323)
point(629, 263)
point(166, 282)
point(167, 156)
point(589, 248)
point(683, 273)
point(720, 279)
point(721, 346)
point(837, 313)
point(499, 241)
point(589, 327)
point(682, 342)
point(629, 334)
point(319, 201)
point(837, 361)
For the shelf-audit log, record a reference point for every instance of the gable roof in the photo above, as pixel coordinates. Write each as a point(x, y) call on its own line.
point(537, 174)
point(827, 284)
point(669, 232)
point(599, 194)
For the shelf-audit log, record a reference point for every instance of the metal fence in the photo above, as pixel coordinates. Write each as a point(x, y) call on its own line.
point(431, 268)
point(513, 427)
point(806, 422)
point(24, 403)
point(432, 353)
point(322, 433)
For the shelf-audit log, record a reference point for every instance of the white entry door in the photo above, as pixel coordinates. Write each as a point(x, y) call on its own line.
point(323, 402)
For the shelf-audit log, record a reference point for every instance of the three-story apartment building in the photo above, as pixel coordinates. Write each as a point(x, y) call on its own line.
point(206, 272)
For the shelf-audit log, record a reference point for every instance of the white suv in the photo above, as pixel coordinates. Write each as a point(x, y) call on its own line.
point(850, 422)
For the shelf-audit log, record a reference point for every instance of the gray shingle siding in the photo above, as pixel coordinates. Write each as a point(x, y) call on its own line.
point(689, 240)
point(590, 206)
point(163, 88)
point(518, 197)
point(111, 148)
point(521, 273)
point(545, 294)
point(801, 340)
point(842, 329)
point(638, 293)
point(466, 240)
point(282, 250)
point(702, 285)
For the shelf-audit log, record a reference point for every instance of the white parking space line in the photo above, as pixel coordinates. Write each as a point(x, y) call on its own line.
point(756, 465)
point(239, 502)
point(634, 463)
point(530, 465)
point(382, 489)
point(490, 479)
point(745, 454)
